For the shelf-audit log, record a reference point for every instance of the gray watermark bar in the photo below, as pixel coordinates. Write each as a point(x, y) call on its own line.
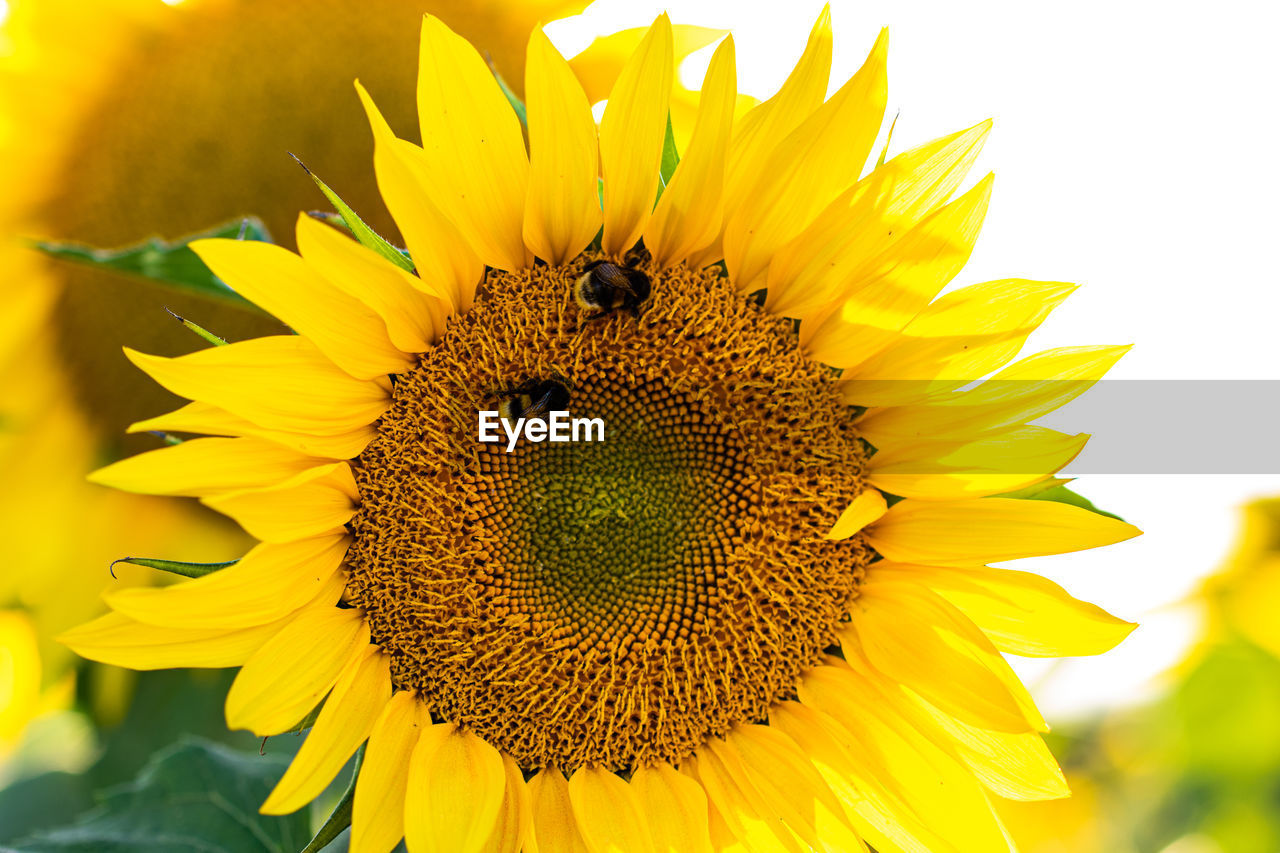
point(1139, 426)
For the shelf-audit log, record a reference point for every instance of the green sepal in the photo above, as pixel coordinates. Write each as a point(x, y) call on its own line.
point(187, 570)
point(521, 111)
point(167, 262)
point(1055, 489)
point(670, 159)
point(199, 330)
point(308, 721)
point(340, 818)
point(364, 235)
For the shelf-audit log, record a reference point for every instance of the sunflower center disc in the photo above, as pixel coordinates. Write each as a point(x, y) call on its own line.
point(609, 602)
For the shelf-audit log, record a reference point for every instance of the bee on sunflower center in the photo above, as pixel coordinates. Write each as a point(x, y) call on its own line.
point(605, 287)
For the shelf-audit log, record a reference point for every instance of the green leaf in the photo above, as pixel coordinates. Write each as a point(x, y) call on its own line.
point(192, 797)
point(171, 263)
point(670, 159)
point(187, 570)
point(340, 818)
point(1055, 489)
point(365, 235)
point(512, 98)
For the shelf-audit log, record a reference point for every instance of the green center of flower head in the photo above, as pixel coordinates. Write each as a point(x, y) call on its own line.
point(614, 601)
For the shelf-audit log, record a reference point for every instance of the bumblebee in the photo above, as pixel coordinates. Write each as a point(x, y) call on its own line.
point(533, 398)
point(605, 287)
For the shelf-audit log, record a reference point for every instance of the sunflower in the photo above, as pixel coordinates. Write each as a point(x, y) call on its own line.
point(156, 104)
point(757, 616)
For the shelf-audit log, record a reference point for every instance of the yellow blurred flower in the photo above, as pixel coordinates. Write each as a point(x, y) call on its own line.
point(1069, 825)
point(23, 695)
point(1243, 596)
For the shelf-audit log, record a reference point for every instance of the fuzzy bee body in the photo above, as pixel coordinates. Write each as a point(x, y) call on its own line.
point(605, 287)
point(534, 398)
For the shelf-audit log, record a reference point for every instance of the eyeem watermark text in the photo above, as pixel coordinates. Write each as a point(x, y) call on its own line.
point(557, 426)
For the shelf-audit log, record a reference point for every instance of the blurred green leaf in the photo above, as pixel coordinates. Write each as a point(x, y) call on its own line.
point(193, 797)
point(171, 263)
point(167, 705)
point(41, 802)
point(1227, 708)
point(364, 235)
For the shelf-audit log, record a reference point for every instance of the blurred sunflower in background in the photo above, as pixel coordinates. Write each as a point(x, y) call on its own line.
point(125, 119)
point(757, 616)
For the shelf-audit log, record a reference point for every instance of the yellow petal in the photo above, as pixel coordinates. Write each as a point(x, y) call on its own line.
point(631, 134)
point(762, 129)
point(317, 501)
point(816, 162)
point(1027, 389)
point(793, 785)
point(988, 530)
point(865, 508)
point(474, 146)
point(120, 641)
point(456, 783)
point(1004, 462)
point(891, 752)
point(293, 671)
point(268, 583)
point(555, 827)
point(864, 221)
point(607, 813)
point(598, 66)
point(1014, 765)
point(898, 284)
point(413, 311)
point(887, 820)
point(362, 691)
point(958, 339)
point(690, 213)
point(919, 640)
point(281, 383)
point(205, 466)
point(377, 821)
point(753, 818)
point(562, 206)
point(204, 418)
point(281, 283)
point(674, 807)
point(513, 830)
point(442, 258)
point(1022, 613)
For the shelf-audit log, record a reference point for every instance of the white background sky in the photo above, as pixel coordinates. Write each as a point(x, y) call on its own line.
point(1134, 151)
